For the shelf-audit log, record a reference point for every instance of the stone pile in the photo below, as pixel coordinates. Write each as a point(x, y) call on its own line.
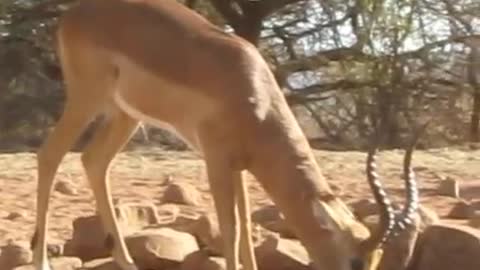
point(178, 235)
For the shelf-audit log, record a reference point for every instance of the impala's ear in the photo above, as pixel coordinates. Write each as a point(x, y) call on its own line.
point(324, 215)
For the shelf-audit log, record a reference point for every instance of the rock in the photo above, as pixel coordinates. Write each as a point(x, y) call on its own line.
point(135, 216)
point(364, 208)
point(55, 249)
point(88, 240)
point(207, 231)
point(367, 207)
point(461, 210)
point(428, 217)
point(60, 263)
point(168, 213)
point(66, 188)
point(449, 187)
point(270, 218)
point(187, 217)
point(399, 250)
point(160, 248)
point(15, 253)
point(469, 189)
point(281, 254)
point(425, 217)
point(182, 194)
point(203, 226)
point(101, 264)
point(446, 246)
point(201, 261)
point(475, 220)
point(16, 215)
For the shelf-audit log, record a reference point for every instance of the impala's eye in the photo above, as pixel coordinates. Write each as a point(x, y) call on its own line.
point(356, 264)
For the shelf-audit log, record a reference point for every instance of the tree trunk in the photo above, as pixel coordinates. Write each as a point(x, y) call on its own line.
point(474, 82)
point(475, 118)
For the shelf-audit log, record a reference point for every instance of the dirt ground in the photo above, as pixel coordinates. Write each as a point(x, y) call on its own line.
point(142, 174)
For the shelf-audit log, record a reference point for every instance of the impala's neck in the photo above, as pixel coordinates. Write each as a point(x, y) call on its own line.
point(286, 167)
point(284, 162)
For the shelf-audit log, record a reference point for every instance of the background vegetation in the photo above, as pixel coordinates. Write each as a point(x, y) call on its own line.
point(344, 66)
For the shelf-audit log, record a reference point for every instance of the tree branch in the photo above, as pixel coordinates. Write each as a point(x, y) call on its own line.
point(227, 10)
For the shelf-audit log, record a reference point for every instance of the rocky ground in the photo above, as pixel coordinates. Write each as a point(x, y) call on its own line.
point(152, 176)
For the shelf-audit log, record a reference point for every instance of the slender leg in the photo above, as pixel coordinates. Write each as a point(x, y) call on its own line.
point(247, 255)
point(108, 141)
point(220, 177)
point(74, 119)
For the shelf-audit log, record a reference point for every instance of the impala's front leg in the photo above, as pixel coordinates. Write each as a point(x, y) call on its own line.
point(247, 254)
point(221, 177)
point(111, 137)
point(69, 127)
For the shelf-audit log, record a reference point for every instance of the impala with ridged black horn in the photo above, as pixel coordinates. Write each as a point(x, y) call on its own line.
point(158, 62)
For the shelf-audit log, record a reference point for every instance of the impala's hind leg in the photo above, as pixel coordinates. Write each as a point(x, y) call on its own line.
point(108, 141)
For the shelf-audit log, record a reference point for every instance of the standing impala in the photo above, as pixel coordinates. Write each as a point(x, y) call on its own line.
point(158, 62)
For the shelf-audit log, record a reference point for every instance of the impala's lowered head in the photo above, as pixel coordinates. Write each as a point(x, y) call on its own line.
point(354, 247)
